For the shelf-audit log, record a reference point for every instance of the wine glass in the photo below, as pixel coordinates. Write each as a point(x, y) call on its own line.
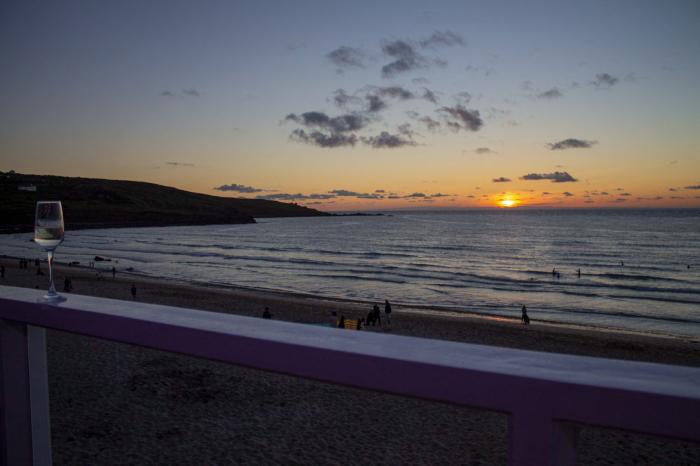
point(48, 233)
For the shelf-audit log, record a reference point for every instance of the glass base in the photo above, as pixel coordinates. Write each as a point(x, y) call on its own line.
point(52, 298)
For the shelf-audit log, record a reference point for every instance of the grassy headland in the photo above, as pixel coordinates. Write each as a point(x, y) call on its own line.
point(98, 203)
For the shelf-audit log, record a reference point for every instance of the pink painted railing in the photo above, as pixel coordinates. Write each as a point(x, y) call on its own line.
point(545, 394)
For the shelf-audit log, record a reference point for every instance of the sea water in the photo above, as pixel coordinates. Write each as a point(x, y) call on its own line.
point(640, 269)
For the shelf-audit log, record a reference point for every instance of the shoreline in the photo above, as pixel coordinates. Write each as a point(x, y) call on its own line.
point(407, 319)
point(420, 309)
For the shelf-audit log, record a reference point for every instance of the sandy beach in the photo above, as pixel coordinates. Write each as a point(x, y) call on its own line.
point(117, 404)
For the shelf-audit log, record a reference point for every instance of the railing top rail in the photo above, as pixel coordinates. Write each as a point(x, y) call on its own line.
point(99, 313)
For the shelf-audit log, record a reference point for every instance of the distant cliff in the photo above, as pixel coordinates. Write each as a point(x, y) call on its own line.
point(96, 203)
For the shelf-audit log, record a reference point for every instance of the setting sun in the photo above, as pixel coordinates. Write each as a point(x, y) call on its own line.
point(508, 200)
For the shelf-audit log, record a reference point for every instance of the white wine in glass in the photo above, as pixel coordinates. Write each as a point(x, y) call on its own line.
point(48, 233)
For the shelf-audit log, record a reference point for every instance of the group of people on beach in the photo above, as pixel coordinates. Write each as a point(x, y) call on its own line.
point(374, 317)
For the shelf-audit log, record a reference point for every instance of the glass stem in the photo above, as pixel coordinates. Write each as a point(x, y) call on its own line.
point(52, 289)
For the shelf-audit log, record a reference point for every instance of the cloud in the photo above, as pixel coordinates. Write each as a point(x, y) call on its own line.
point(294, 197)
point(406, 130)
point(374, 96)
point(238, 188)
point(415, 195)
point(604, 80)
point(462, 98)
point(556, 177)
point(571, 143)
point(339, 124)
point(459, 117)
point(501, 179)
point(625, 194)
point(396, 92)
point(484, 150)
point(406, 58)
point(375, 103)
point(179, 164)
point(430, 123)
point(320, 139)
point(185, 92)
point(553, 93)
point(386, 140)
point(567, 194)
point(381, 191)
point(441, 195)
point(429, 95)
point(347, 57)
point(620, 199)
point(673, 190)
point(343, 193)
point(443, 39)
point(342, 99)
point(347, 193)
point(696, 186)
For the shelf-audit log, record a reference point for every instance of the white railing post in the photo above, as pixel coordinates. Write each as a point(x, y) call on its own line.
point(535, 439)
point(25, 433)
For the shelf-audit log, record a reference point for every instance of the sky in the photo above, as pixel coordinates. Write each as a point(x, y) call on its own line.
point(361, 105)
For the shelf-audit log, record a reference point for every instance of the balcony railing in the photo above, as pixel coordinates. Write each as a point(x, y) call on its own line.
point(546, 395)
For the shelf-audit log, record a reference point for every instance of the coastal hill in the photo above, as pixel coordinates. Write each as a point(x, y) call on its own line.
point(97, 203)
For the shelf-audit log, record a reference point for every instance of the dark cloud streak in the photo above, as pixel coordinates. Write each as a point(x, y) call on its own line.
point(571, 143)
point(556, 177)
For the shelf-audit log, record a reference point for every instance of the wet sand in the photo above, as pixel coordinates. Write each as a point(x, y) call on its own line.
point(117, 404)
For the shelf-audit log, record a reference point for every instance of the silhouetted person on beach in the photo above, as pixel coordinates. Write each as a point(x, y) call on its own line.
point(133, 291)
point(578, 272)
point(554, 272)
point(67, 285)
point(622, 263)
point(370, 318)
point(38, 271)
point(2, 271)
point(377, 315)
point(266, 313)
point(387, 311)
point(341, 322)
point(525, 319)
point(36, 262)
point(114, 271)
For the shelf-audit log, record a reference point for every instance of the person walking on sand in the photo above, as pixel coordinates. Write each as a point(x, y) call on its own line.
point(377, 315)
point(114, 271)
point(578, 272)
point(524, 318)
point(2, 271)
point(133, 291)
point(387, 311)
point(266, 313)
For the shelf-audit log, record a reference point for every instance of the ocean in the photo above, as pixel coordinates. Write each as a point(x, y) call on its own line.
point(640, 268)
